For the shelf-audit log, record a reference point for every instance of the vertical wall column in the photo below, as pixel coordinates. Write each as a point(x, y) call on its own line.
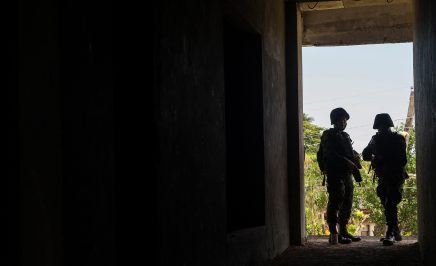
point(294, 103)
point(88, 125)
point(39, 130)
point(424, 57)
point(190, 117)
point(12, 180)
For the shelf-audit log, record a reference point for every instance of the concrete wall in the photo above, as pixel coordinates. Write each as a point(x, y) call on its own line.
point(61, 124)
point(294, 106)
point(276, 178)
point(191, 171)
point(39, 143)
point(87, 88)
point(190, 123)
point(425, 104)
point(359, 25)
point(11, 185)
point(80, 156)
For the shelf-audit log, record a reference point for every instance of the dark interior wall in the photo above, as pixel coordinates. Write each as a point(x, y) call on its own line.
point(251, 246)
point(272, 17)
point(294, 105)
point(189, 91)
point(190, 96)
point(425, 103)
point(88, 153)
point(11, 182)
point(61, 124)
point(68, 152)
point(39, 130)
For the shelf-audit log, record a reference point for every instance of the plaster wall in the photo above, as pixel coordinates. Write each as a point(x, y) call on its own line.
point(425, 114)
point(190, 92)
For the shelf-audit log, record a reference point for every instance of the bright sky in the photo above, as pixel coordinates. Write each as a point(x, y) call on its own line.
point(364, 79)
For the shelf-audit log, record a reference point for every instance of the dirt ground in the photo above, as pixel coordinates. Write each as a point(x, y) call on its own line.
point(368, 251)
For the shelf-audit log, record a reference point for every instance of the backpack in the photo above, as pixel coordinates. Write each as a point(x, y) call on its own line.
point(320, 159)
point(395, 159)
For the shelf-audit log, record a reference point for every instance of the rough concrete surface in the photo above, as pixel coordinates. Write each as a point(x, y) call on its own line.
point(369, 251)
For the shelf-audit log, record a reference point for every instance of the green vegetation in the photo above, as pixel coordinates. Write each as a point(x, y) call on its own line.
point(366, 205)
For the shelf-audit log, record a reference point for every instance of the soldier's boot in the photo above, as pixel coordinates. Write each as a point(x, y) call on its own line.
point(344, 233)
point(389, 239)
point(336, 238)
point(397, 233)
point(333, 238)
point(343, 240)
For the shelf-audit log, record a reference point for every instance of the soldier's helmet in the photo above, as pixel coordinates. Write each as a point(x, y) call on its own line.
point(337, 113)
point(382, 121)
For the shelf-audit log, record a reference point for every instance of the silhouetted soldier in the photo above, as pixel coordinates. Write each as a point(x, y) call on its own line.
point(387, 151)
point(338, 160)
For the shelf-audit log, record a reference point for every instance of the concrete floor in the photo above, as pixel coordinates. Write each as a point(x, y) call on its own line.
point(369, 251)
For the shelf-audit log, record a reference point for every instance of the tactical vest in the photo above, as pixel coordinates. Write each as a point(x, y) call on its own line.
point(389, 155)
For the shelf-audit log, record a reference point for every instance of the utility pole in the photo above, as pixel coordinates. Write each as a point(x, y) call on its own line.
point(410, 114)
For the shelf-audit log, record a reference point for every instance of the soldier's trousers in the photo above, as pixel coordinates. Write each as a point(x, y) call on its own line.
point(390, 192)
point(340, 189)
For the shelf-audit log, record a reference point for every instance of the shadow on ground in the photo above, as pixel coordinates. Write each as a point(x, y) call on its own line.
point(369, 251)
